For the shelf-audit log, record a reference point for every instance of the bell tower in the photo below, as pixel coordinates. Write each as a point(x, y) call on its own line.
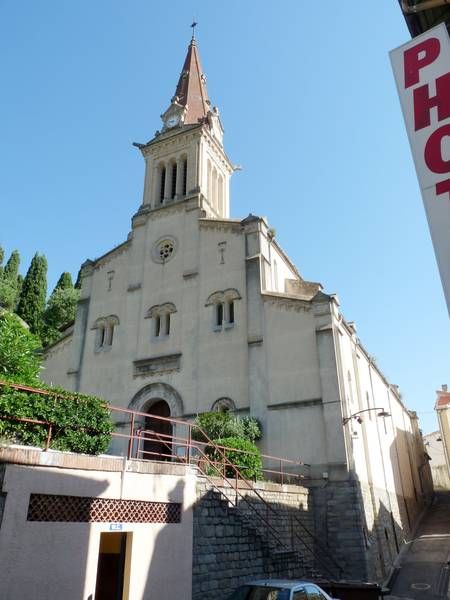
point(186, 159)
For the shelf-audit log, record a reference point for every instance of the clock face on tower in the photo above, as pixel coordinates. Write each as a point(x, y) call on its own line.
point(172, 121)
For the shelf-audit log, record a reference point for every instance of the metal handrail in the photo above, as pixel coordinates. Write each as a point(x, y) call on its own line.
point(189, 443)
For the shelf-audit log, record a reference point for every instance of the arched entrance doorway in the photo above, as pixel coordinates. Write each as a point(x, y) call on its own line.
point(159, 446)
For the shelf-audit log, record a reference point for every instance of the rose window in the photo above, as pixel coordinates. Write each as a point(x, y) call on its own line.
point(166, 249)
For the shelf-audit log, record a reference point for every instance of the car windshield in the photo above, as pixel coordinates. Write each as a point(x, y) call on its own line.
point(259, 592)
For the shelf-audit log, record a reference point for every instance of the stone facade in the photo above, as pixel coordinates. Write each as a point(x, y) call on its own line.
point(196, 307)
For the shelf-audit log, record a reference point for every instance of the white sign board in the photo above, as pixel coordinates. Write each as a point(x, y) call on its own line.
point(422, 73)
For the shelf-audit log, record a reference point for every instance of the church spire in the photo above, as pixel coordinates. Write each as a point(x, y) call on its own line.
point(191, 92)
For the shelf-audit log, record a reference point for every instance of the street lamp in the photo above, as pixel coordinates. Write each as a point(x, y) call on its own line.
point(357, 417)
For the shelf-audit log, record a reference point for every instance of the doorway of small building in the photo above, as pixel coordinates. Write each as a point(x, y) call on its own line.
point(158, 444)
point(113, 566)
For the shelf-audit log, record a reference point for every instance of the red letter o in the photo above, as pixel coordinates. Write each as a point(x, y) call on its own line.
point(433, 151)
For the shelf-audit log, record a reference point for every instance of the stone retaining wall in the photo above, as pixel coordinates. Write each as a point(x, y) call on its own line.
point(232, 544)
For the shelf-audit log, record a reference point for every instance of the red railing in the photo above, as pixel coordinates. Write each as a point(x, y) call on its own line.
point(276, 468)
point(195, 453)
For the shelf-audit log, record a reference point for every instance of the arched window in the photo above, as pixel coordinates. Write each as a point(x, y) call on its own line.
point(223, 303)
point(230, 311)
point(161, 317)
point(209, 182)
point(220, 207)
point(157, 329)
point(184, 181)
point(223, 405)
point(162, 184)
point(219, 314)
point(105, 327)
point(173, 186)
point(213, 199)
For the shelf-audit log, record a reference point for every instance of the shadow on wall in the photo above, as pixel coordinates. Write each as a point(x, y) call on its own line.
point(45, 533)
point(362, 524)
point(169, 573)
point(390, 517)
point(232, 545)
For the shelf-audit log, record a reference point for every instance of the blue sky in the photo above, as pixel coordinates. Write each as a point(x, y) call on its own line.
point(310, 110)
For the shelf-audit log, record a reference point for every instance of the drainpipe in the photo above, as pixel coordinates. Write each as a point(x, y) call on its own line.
point(428, 4)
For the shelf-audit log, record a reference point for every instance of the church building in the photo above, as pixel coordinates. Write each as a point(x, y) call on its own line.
point(199, 311)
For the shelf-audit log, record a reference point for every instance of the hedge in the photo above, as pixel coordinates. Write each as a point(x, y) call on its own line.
point(79, 423)
point(249, 462)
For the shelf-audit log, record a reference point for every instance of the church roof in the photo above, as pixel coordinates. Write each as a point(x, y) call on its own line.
point(191, 89)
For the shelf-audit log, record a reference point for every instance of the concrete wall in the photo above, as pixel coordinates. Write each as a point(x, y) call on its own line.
point(57, 360)
point(439, 470)
point(59, 559)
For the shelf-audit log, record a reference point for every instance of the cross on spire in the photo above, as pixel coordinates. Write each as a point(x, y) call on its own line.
point(194, 25)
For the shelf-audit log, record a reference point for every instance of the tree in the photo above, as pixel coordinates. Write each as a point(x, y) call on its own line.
point(64, 282)
point(60, 311)
point(2, 256)
point(9, 281)
point(19, 359)
point(34, 290)
point(11, 269)
point(226, 424)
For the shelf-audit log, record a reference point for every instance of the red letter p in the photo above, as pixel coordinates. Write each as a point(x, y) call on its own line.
point(418, 57)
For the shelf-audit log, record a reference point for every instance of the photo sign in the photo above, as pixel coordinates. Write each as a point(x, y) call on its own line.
point(422, 73)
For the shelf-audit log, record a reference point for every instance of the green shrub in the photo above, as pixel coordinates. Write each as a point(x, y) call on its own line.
point(80, 423)
point(249, 464)
point(226, 424)
point(19, 358)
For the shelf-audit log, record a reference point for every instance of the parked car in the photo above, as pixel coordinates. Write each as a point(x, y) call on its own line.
point(279, 589)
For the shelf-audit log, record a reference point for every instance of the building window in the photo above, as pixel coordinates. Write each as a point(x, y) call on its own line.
point(164, 249)
point(157, 330)
point(161, 317)
point(223, 304)
point(167, 330)
point(219, 314)
point(162, 185)
point(223, 405)
point(105, 327)
point(173, 190)
point(184, 182)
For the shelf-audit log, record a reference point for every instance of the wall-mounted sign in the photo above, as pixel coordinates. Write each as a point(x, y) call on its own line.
point(115, 526)
point(422, 73)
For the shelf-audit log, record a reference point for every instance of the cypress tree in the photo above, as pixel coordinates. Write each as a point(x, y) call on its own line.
point(61, 308)
point(19, 286)
point(64, 282)
point(8, 282)
point(2, 256)
point(34, 290)
point(11, 269)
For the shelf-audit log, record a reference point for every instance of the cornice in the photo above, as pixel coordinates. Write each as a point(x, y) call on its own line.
point(228, 225)
point(147, 212)
point(289, 303)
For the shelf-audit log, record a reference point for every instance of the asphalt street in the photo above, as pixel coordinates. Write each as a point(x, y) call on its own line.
point(425, 563)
